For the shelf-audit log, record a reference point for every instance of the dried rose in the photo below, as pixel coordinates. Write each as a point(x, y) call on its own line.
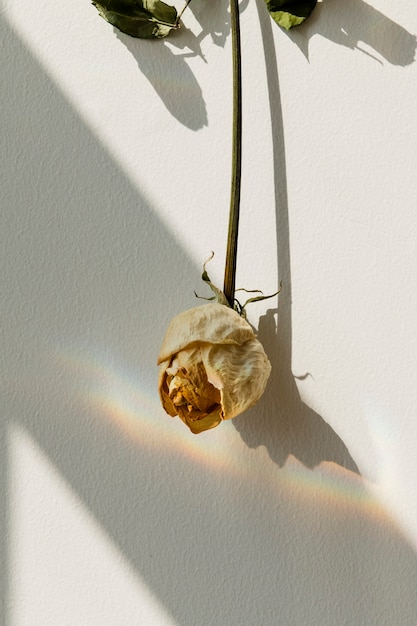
point(211, 366)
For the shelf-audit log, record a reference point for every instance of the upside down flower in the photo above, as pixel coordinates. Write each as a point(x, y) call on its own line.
point(211, 366)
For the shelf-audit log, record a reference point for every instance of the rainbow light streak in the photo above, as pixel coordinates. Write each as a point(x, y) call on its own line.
point(137, 414)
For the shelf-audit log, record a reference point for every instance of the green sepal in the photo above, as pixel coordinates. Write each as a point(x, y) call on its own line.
point(146, 19)
point(220, 298)
point(290, 13)
point(241, 308)
point(218, 293)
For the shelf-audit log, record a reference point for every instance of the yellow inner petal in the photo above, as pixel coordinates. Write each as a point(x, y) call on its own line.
point(188, 387)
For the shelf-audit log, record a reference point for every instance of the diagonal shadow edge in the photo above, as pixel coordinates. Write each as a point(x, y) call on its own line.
point(50, 155)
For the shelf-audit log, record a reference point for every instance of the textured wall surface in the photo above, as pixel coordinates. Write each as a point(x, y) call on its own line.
point(114, 186)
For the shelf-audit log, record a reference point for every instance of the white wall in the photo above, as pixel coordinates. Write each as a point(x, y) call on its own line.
point(115, 167)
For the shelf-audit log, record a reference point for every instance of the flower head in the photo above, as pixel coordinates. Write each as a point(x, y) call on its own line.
point(211, 366)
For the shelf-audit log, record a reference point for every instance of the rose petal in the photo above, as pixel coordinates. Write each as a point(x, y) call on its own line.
point(243, 372)
point(212, 367)
point(204, 423)
point(209, 323)
point(166, 401)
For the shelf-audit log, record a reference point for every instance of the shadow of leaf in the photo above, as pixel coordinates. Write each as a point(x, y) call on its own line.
point(213, 18)
point(168, 71)
point(171, 77)
point(355, 24)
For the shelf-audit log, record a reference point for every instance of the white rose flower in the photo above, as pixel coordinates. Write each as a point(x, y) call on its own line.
point(211, 366)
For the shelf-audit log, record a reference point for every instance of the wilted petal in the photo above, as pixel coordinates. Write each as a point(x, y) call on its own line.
point(166, 401)
point(212, 367)
point(207, 323)
point(242, 372)
point(203, 423)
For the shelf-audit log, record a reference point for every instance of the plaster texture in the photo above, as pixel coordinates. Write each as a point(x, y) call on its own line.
point(114, 185)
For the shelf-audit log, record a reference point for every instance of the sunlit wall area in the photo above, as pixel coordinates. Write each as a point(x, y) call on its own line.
point(63, 568)
point(114, 178)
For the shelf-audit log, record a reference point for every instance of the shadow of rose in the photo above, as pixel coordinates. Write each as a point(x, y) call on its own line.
point(281, 421)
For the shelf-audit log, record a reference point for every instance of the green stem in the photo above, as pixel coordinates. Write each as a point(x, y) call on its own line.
point(180, 14)
point(231, 252)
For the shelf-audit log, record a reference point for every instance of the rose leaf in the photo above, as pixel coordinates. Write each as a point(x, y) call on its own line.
point(146, 19)
point(290, 13)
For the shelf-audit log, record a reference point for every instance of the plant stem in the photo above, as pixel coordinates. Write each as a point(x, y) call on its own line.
point(231, 252)
point(180, 14)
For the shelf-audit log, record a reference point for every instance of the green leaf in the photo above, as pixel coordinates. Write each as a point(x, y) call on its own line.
point(147, 19)
point(290, 13)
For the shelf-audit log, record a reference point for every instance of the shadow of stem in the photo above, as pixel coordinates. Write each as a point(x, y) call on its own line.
point(282, 422)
